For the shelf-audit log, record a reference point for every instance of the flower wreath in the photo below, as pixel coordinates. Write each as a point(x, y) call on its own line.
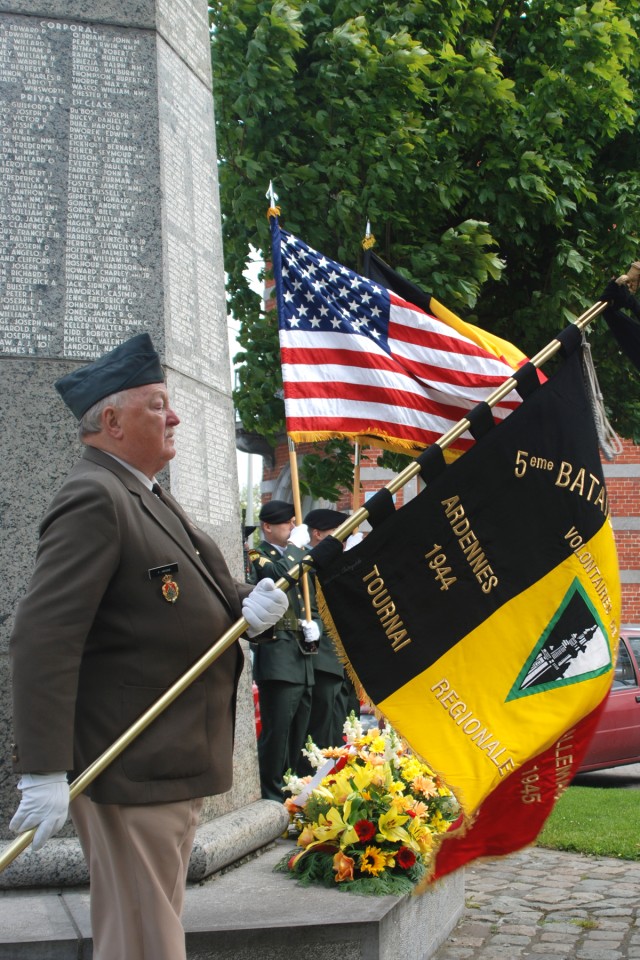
point(367, 819)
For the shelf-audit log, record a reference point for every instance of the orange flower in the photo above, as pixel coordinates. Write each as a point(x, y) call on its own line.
point(343, 867)
point(291, 806)
point(335, 752)
point(424, 785)
point(417, 809)
point(306, 837)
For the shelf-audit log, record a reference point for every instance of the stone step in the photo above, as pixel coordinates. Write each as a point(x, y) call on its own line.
point(248, 912)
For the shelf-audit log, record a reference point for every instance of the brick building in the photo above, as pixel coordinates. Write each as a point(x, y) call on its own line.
point(622, 477)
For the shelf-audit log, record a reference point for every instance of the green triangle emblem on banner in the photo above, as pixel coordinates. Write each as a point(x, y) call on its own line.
point(574, 647)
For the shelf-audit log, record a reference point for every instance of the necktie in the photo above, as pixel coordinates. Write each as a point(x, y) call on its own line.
point(191, 531)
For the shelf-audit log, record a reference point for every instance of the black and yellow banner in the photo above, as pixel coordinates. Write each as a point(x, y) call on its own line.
point(482, 617)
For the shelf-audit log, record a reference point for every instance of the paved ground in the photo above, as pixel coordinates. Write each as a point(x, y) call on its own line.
point(547, 905)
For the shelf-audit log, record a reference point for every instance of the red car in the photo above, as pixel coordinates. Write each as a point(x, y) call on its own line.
point(617, 738)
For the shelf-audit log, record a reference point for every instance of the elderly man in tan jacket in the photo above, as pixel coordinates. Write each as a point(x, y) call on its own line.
point(126, 594)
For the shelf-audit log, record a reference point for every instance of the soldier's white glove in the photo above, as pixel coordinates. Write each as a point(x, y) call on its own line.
point(353, 540)
point(264, 606)
point(299, 536)
point(310, 630)
point(44, 804)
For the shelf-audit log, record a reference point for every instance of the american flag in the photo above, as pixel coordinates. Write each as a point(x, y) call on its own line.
point(358, 361)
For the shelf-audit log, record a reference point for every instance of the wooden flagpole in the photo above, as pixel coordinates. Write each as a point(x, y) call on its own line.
point(355, 496)
point(295, 486)
point(235, 632)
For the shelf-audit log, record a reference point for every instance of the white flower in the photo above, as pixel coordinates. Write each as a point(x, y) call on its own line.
point(293, 784)
point(352, 728)
point(313, 754)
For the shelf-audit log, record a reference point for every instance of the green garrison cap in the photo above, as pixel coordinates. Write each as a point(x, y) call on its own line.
point(134, 363)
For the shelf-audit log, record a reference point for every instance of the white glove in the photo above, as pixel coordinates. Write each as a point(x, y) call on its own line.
point(264, 606)
point(299, 536)
point(44, 804)
point(310, 630)
point(353, 540)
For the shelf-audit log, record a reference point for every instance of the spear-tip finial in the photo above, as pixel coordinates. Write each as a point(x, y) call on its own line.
point(272, 197)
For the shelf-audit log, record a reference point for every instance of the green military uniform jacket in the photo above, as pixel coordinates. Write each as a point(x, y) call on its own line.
point(282, 659)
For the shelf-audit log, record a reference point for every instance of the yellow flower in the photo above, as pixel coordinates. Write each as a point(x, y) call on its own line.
point(420, 837)
point(438, 823)
point(379, 777)
point(402, 803)
point(333, 826)
point(396, 786)
point(378, 744)
point(372, 861)
point(390, 826)
point(410, 767)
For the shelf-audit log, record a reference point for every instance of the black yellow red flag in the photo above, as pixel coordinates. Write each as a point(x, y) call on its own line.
point(482, 618)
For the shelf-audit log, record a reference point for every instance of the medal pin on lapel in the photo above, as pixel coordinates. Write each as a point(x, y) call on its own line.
point(170, 589)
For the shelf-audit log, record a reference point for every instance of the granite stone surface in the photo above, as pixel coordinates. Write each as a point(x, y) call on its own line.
point(110, 185)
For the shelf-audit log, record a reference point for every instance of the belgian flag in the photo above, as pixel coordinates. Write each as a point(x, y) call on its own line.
point(482, 617)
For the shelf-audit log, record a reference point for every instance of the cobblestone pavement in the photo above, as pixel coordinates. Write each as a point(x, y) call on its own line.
point(548, 905)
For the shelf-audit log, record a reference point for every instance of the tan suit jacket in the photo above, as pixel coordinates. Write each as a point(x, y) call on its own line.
point(95, 643)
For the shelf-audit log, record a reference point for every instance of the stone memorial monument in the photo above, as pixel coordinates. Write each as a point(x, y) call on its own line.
point(110, 226)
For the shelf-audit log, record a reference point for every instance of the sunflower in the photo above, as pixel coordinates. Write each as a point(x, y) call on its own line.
point(372, 861)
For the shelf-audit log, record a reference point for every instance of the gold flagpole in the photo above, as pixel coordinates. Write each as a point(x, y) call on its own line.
point(102, 762)
point(235, 632)
point(295, 486)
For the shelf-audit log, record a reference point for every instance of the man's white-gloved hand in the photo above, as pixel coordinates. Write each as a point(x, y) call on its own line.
point(299, 536)
point(44, 804)
point(310, 630)
point(264, 606)
point(353, 540)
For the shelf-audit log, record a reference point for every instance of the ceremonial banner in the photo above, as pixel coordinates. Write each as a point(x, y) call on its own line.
point(513, 815)
point(482, 617)
point(360, 361)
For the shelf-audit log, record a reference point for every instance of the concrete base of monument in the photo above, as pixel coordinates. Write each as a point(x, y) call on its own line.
point(225, 840)
point(249, 912)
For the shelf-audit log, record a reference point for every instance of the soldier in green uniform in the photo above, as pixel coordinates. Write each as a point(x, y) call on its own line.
point(326, 720)
point(283, 669)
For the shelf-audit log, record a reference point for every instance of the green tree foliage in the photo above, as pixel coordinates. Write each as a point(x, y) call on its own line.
point(492, 144)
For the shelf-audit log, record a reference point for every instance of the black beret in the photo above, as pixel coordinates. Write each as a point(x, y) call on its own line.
point(277, 511)
point(323, 519)
point(134, 363)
